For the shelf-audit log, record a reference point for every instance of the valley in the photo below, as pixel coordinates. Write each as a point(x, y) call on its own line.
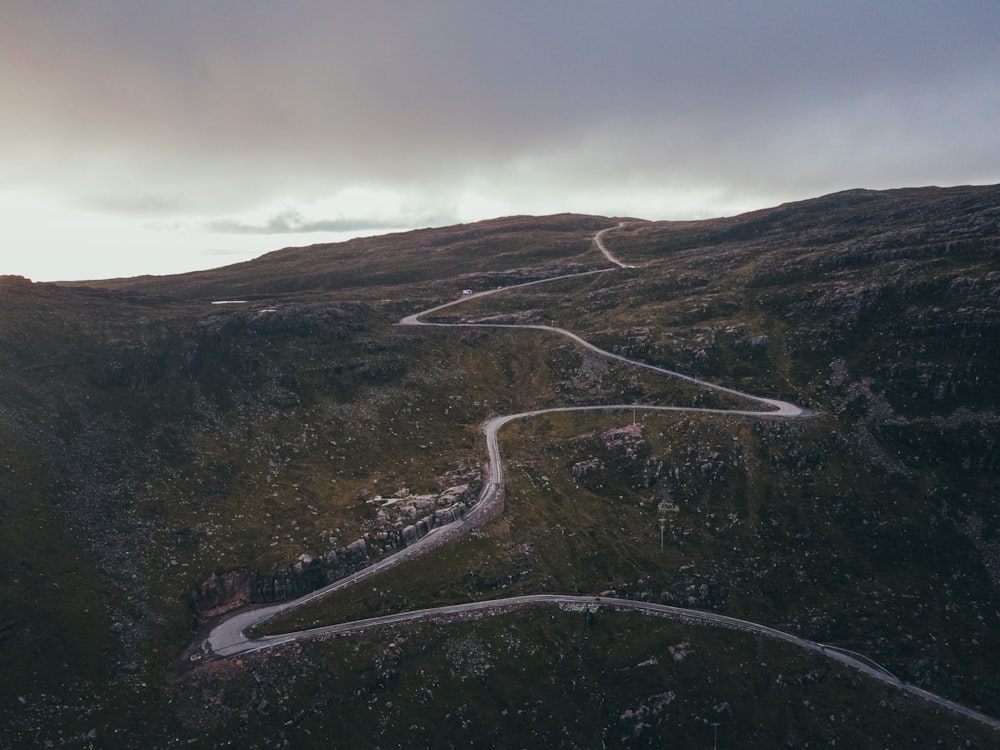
point(231, 637)
point(178, 460)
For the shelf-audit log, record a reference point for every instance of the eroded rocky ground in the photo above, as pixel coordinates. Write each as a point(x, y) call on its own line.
point(166, 459)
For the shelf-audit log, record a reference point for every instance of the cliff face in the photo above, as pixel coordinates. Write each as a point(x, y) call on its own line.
point(163, 457)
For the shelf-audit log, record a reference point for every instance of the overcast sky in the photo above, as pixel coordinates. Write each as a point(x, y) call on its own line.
point(158, 137)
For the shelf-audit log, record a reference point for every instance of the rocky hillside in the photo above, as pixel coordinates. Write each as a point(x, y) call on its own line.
point(167, 459)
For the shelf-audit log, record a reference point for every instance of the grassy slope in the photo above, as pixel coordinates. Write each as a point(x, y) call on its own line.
point(547, 678)
point(190, 433)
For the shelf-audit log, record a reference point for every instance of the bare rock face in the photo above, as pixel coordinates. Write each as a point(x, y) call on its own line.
point(581, 469)
point(404, 518)
point(410, 534)
point(357, 548)
point(622, 437)
point(398, 522)
point(458, 494)
point(220, 593)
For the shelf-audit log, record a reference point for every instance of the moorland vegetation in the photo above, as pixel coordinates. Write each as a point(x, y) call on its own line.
point(168, 460)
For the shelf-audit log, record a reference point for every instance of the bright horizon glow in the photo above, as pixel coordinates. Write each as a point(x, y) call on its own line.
point(156, 138)
point(38, 234)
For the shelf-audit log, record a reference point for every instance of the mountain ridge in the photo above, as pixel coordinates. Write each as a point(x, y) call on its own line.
point(153, 441)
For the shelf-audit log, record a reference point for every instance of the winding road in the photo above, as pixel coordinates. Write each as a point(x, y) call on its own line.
point(229, 637)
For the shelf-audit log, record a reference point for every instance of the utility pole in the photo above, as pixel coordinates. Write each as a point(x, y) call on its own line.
point(663, 522)
point(715, 735)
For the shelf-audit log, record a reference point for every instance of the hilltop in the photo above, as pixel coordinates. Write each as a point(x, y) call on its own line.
point(169, 459)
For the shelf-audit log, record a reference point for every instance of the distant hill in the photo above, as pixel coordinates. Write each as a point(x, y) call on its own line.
point(167, 460)
point(425, 255)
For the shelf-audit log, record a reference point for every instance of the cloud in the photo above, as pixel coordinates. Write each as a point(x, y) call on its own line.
point(292, 222)
point(228, 102)
point(246, 117)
